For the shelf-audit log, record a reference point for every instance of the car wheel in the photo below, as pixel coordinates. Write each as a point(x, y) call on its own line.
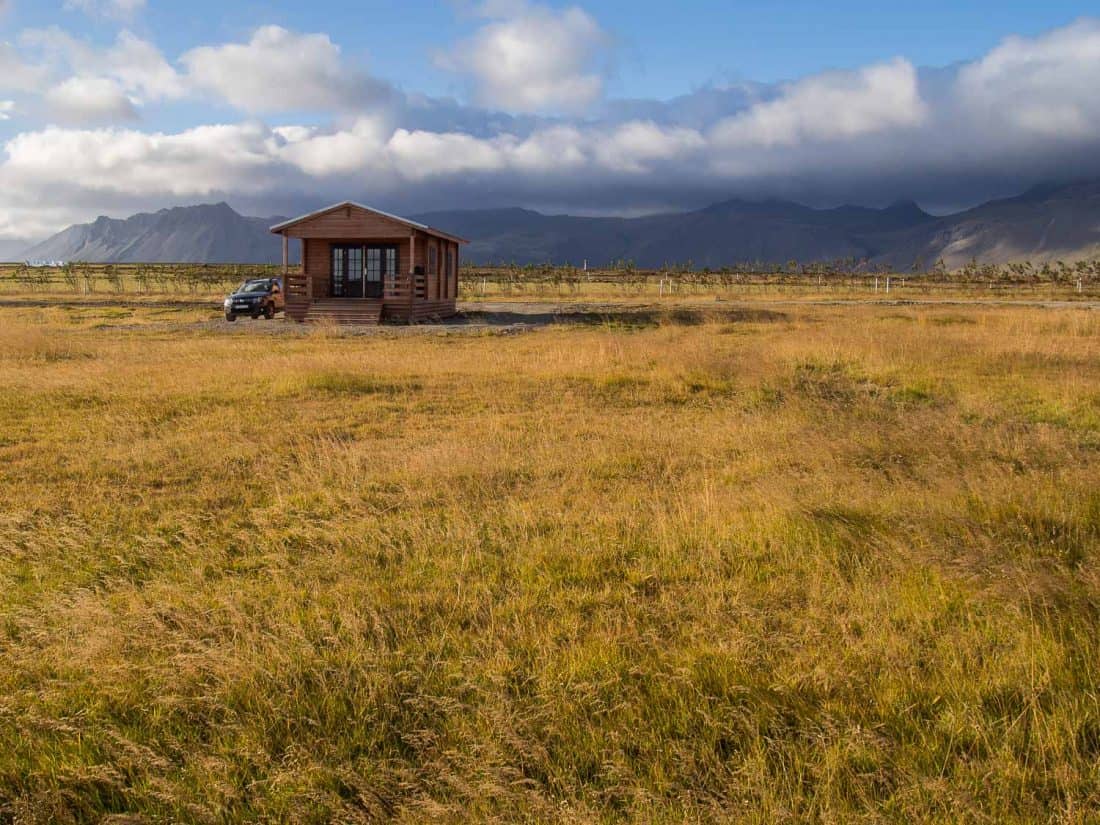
point(229, 316)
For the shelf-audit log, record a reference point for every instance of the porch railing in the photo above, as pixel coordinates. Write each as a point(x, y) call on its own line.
point(296, 287)
point(405, 288)
point(400, 288)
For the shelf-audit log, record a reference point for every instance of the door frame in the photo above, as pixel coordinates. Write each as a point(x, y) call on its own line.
point(377, 289)
point(368, 288)
point(342, 250)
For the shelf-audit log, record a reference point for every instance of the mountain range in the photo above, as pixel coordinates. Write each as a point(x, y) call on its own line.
point(211, 233)
point(1045, 223)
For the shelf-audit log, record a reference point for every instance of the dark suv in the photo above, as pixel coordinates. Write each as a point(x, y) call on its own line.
point(256, 297)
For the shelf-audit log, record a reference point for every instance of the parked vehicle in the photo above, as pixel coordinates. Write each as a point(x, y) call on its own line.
point(255, 298)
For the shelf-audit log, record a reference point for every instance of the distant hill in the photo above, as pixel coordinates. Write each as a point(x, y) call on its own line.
point(1045, 223)
point(213, 233)
point(725, 233)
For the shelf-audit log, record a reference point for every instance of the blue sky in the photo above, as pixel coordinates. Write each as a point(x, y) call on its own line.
point(109, 106)
point(663, 50)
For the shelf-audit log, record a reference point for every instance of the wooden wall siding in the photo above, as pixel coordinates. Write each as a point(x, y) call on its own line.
point(420, 311)
point(429, 310)
point(319, 262)
point(315, 256)
point(432, 270)
point(348, 222)
point(406, 298)
point(421, 257)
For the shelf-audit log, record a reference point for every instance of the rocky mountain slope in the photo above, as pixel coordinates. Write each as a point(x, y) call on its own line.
point(1045, 223)
point(213, 233)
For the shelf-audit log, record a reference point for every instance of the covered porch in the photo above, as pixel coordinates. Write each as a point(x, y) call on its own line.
point(361, 266)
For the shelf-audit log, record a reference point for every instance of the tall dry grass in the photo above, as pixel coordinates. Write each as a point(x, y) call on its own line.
point(836, 565)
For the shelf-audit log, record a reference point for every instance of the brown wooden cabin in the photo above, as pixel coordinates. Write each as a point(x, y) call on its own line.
point(360, 265)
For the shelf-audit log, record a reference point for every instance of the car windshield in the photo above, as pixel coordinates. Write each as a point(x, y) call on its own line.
point(255, 286)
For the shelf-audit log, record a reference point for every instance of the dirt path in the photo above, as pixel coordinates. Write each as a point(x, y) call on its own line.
point(507, 317)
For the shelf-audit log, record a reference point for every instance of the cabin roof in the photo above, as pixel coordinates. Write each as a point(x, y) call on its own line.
point(423, 227)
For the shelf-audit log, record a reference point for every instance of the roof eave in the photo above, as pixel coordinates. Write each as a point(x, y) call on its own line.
point(279, 228)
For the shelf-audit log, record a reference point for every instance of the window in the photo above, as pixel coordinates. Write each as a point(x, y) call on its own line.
point(374, 264)
point(433, 271)
point(360, 271)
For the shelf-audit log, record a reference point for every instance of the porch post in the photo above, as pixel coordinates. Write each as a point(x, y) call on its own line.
point(306, 272)
point(412, 267)
point(286, 256)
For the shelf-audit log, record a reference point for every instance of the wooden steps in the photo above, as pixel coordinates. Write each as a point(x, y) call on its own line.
point(345, 311)
point(296, 311)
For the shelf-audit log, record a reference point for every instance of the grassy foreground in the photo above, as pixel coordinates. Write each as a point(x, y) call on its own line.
point(822, 564)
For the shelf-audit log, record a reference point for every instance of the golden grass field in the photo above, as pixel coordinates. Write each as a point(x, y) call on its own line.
point(787, 564)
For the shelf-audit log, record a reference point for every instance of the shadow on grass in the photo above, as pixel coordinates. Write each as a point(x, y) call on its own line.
point(620, 316)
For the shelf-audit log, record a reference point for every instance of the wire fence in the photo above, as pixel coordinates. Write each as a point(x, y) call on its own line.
point(1063, 280)
point(1055, 280)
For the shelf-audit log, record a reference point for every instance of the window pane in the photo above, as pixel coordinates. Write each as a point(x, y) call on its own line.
point(355, 272)
point(374, 264)
point(337, 272)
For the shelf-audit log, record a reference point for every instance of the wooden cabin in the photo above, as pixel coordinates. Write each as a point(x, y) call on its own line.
point(361, 265)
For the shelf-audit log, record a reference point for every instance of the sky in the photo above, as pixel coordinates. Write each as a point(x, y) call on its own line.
point(597, 107)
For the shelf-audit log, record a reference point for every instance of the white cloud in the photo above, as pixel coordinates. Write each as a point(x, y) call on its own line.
point(531, 58)
point(276, 70)
point(832, 106)
point(107, 8)
point(141, 68)
point(343, 152)
point(1046, 85)
point(251, 158)
point(635, 146)
point(7, 107)
point(84, 99)
point(112, 161)
point(281, 70)
point(420, 155)
point(878, 133)
point(136, 66)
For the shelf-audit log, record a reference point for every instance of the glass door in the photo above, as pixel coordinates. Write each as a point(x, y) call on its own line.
point(374, 272)
point(355, 271)
point(361, 271)
point(339, 272)
point(347, 271)
point(381, 264)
